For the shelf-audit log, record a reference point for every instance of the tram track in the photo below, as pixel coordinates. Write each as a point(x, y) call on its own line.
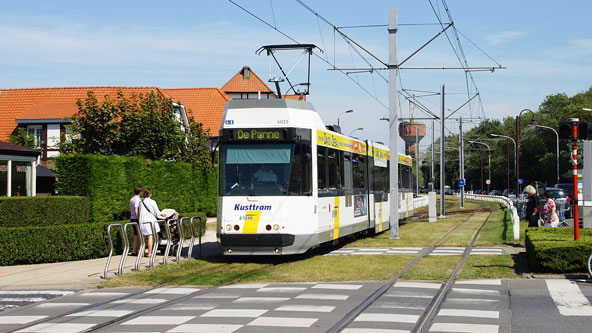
point(425, 320)
point(422, 325)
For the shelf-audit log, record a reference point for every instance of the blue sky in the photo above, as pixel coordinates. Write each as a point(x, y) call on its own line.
point(545, 45)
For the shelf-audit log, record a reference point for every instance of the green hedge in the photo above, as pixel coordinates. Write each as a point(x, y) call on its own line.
point(554, 250)
point(109, 181)
point(43, 211)
point(31, 245)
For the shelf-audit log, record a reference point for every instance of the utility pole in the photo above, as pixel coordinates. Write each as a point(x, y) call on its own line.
point(462, 163)
point(432, 175)
point(393, 126)
point(416, 162)
point(442, 150)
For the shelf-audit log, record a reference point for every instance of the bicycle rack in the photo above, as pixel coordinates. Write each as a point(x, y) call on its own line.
point(126, 247)
point(192, 240)
point(168, 245)
point(154, 243)
point(142, 247)
point(110, 247)
point(181, 238)
point(199, 237)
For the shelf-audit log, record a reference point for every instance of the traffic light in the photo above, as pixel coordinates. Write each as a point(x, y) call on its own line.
point(565, 130)
point(585, 131)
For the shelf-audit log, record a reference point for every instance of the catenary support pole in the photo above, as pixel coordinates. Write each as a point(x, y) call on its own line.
point(393, 126)
point(461, 162)
point(433, 180)
point(442, 169)
point(574, 152)
point(417, 162)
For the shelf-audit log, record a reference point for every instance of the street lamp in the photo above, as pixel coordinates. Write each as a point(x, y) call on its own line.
point(342, 113)
point(356, 129)
point(515, 170)
point(557, 136)
point(532, 123)
point(489, 160)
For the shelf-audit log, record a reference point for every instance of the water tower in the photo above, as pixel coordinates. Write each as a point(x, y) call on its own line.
point(411, 132)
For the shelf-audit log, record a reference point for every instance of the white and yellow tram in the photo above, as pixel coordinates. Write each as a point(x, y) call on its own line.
point(288, 184)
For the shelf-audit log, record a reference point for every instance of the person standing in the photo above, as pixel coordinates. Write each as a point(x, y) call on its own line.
point(134, 214)
point(149, 212)
point(532, 207)
point(550, 211)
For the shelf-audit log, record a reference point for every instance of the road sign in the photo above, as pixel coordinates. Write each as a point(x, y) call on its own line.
point(520, 181)
point(461, 182)
point(488, 182)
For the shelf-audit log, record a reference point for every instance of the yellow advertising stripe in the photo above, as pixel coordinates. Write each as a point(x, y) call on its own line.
point(251, 221)
point(405, 160)
point(338, 142)
point(380, 216)
point(336, 218)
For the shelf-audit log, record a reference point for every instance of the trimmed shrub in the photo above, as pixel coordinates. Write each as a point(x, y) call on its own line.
point(43, 211)
point(109, 181)
point(554, 250)
point(31, 245)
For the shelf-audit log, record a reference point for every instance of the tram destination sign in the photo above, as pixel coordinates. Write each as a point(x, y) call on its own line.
point(250, 134)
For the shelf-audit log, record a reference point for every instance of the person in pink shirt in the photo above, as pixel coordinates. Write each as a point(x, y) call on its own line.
point(550, 212)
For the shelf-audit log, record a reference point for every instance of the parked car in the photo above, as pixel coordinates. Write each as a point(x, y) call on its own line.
point(561, 200)
point(568, 189)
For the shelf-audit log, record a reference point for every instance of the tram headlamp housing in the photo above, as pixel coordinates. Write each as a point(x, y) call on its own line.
point(228, 227)
point(276, 227)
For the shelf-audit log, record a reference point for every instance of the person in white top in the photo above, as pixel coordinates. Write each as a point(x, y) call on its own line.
point(149, 212)
point(134, 213)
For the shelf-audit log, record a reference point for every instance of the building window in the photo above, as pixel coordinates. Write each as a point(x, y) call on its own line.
point(36, 130)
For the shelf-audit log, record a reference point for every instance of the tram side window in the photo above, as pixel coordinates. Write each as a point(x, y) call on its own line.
point(359, 171)
point(322, 167)
point(335, 168)
point(380, 178)
point(405, 176)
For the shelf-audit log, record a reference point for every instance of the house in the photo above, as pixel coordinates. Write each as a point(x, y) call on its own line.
point(18, 170)
point(44, 112)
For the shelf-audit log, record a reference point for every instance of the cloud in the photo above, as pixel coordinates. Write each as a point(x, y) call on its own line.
point(504, 37)
point(583, 46)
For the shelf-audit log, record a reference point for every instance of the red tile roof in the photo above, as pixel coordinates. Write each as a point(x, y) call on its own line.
point(295, 97)
point(30, 103)
point(239, 83)
point(205, 104)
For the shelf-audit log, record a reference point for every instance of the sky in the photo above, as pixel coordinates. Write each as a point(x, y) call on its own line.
point(545, 47)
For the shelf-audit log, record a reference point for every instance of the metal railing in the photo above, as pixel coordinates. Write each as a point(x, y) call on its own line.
point(508, 202)
point(155, 242)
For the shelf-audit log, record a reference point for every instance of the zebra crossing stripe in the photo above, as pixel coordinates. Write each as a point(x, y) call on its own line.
point(568, 298)
point(458, 327)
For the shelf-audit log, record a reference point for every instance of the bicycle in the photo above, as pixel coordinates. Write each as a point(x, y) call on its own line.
point(589, 269)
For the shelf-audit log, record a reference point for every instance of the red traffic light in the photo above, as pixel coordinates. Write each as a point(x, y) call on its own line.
point(565, 130)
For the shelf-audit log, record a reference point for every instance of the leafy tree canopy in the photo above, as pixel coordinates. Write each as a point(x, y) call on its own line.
point(141, 125)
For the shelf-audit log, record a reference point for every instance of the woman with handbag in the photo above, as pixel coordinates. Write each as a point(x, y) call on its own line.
point(532, 207)
point(550, 212)
point(149, 212)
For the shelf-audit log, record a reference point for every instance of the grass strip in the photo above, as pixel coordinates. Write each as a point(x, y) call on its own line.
point(437, 268)
point(488, 267)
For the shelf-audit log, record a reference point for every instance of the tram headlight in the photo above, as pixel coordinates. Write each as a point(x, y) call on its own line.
point(276, 227)
point(228, 227)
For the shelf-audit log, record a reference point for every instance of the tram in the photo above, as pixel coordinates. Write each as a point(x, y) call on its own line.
point(287, 183)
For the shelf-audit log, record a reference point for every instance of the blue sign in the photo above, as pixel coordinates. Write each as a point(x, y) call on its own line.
point(461, 182)
point(520, 181)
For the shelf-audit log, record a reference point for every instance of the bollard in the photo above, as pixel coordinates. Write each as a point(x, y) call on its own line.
point(432, 207)
point(110, 247)
point(181, 232)
point(516, 223)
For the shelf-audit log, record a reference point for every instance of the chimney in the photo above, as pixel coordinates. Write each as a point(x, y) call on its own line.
point(246, 72)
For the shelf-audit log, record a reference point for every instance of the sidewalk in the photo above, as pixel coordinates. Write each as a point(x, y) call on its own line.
point(85, 274)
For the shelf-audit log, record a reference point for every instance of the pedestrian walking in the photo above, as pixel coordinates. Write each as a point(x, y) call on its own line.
point(134, 214)
point(550, 212)
point(149, 212)
point(532, 207)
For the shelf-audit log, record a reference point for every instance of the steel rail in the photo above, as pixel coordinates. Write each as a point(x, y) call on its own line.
point(352, 315)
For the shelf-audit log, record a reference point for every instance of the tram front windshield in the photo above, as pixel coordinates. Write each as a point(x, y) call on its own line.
point(266, 169)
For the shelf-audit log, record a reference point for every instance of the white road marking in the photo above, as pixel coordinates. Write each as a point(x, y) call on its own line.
point(260, 299)
point(337, 286)
point(101, 313)
point(476, 291)
point(488, 282)
point(159, 320)
point(217, 296)
point(103, 294)
point(59, 305)
point(424, 285)
point(36, 292)
point(372, 330)
point(464, 328)
point(306, 308)
point(237, 313)
point(19, 319)
point(140, 301)
point(281, 290)
point(58, 328)
point(569, 298)
point(246, 286)
point(469, 313)
point(283, 322)
point(191, 307)
point(336, 297)
point(387, 318)
point(173, 291)
point(474, 301)
point(205, 328)
point(23, 299)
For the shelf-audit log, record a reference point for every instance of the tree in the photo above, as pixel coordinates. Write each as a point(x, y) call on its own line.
point(23, 139)
point(141, 125)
